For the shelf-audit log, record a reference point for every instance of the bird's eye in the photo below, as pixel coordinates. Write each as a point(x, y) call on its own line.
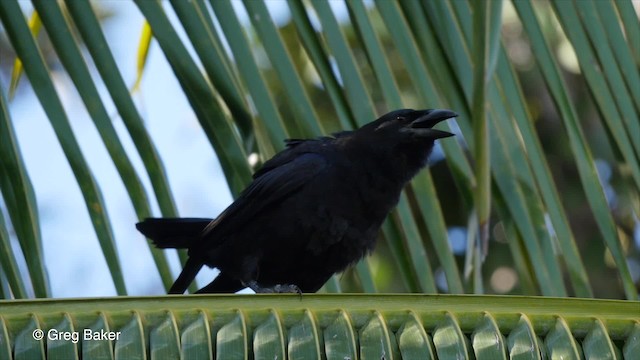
point(400, 118)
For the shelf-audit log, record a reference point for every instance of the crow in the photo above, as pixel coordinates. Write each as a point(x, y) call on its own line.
point(311, 211)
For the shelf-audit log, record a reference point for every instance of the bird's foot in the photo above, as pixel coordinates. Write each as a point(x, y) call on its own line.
point(277, 289)
point(287, 289)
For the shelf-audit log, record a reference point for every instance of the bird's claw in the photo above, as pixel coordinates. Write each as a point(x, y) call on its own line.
point(277, 289)
point(287, 289)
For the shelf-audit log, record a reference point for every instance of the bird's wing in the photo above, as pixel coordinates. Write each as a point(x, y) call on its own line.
point(295, 148)
point(272, 185)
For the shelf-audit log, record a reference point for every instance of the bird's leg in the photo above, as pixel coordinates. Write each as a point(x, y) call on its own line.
point(277, 289)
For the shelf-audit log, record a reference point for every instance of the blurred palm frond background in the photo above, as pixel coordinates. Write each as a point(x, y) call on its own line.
point(562, 97)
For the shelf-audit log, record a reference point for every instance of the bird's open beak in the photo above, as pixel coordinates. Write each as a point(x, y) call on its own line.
point(424, 124)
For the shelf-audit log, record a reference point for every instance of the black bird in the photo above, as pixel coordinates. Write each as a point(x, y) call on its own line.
point(311, 211)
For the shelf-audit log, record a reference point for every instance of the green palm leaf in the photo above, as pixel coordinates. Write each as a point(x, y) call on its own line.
point(322, 326)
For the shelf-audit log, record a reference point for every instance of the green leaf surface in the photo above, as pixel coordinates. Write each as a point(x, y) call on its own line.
point(598, 344)
point(413, 340)
point(195, 339)
point(304, 339)
point(164, 340)
point(28, 346)
point(5, 342)
point(133, 344)
point(486, 344)
point(338, 326)
point(523, 341)
point(377, 341)
point(98, 349)
point(269, 340)
point(632, 343)
point(340, 339)
point(560, 343)
point(62, 347)
point(232, 339)
point(449, 340)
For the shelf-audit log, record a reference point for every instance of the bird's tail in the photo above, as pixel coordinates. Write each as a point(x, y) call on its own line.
point(172, 233)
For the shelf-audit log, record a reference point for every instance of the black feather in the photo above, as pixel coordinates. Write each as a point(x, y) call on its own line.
point(311, 211)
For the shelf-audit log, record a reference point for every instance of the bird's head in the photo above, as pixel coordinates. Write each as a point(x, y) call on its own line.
point(409, 126)
point(403, 138)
